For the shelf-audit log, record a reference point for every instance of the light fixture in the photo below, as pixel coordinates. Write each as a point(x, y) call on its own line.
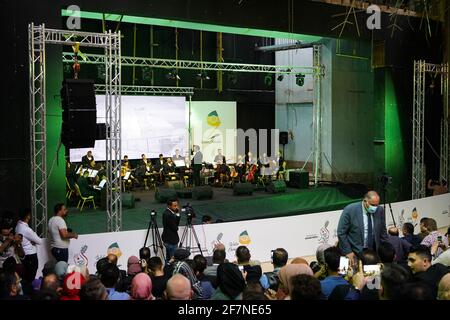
point(280, 77)
point(300, 79)
point(203, 75)
point(173, 75)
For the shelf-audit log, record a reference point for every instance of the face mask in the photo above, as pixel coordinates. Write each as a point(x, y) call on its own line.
point(372, 209)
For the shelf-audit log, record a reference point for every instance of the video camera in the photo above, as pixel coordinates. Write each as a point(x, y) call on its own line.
point(153, 213)
point(188, 211)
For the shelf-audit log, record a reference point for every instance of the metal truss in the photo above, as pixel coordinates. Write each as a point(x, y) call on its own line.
point(194, 65)
point(317, 113)
point(36, 58)
point(418, 165)
point(38, 37)
point(150, 90)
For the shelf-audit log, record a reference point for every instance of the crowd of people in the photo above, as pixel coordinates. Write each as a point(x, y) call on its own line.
point(412, 267)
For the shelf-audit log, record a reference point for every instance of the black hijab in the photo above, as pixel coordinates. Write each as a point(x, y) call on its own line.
point(230, 279)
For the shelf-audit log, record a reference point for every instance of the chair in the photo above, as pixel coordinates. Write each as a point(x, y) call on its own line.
point(70, 191)
point(282, 172)
point(84, 199)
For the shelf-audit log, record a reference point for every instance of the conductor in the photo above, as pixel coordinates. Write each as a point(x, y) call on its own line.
point(197, 165)
point(171, 220)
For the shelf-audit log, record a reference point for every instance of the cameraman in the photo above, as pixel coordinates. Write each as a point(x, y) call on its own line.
point(171, 220)
point(10, 244)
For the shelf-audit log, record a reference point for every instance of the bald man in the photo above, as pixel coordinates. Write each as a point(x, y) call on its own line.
point(444, 288)
point(362, 225)
point(178, 288)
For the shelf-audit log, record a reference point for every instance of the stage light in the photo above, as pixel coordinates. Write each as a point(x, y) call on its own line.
point(173, 75)
point(280, 77)
point(202, 75)
point(300, 79)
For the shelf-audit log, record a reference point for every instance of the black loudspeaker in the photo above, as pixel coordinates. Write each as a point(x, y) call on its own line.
point(243, 188)
point(164, 194)
point(299, 179)
point(202, 193)
point(277, 186)
point(284, 137)
point(79, 126)
point(128, 200)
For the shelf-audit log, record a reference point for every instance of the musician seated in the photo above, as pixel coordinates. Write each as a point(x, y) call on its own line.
point(86, 189)
point(87, 161)
point(264, 165)
point(169, 170)
point(219, 158)
point(250, 159)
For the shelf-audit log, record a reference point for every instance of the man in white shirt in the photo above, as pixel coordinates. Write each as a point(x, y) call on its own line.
point(29, 242)
point(59, 235)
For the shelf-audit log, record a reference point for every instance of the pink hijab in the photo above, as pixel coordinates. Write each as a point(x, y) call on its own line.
point(291, 270)
point(141, 287)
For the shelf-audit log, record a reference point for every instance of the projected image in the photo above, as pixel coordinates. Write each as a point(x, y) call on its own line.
point(150, 125)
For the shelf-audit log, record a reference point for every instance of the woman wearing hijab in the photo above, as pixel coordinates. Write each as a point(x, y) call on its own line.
point(141, 287)
point(133, 268)
point(230, 282)
point(286, 274)
point(72, 285)
point(61, 269)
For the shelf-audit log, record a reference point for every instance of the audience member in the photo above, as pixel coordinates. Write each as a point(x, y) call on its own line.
point(393, 277)
point(401, 246)
point(141, 287)
point(286, 274)
point(243, 257)
point(270, 280)
point(433, 236)
point(178, 288)
point(159, 278)
point(72, 285)
point(416, 291)
point(444, 288)
point(386, 252)
point(93, 289)
point(305, 287)
point(109, 278)
point(199, 268)
point(253, 291)
point(230, 282)
point(423, 230)
point(408, 234)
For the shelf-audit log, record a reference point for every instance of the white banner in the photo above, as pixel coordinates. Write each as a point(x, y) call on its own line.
point(299, 235)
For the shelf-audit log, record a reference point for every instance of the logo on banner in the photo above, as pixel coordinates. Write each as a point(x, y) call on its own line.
point(324, 233)
point(115, 250)
point(414, 216)
point(80, 259)
point(244, 238)
point(213, 119)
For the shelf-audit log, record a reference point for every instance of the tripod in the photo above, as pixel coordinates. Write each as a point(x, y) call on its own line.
point(188, 232)
point(383, 194)
point(157, 243)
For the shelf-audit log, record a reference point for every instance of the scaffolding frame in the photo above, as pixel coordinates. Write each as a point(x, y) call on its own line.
point(421, 68)
point(38, 38)
point(317, 105)
point(149, 90)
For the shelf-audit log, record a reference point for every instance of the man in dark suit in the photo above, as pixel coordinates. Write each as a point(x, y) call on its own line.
point(171, 220)
point(197, 161)
point(362, 225)
point(87, 161)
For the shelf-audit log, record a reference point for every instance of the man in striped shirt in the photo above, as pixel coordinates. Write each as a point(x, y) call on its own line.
point(433, 236)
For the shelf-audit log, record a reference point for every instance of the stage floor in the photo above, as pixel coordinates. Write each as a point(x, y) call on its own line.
point(223, 206)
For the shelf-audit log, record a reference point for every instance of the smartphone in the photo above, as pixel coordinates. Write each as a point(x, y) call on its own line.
point(241, 268)
point(343, 265)
point(439, 238)
point(372, 270)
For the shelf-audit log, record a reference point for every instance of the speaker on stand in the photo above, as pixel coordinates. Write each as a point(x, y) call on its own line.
point(284, 139)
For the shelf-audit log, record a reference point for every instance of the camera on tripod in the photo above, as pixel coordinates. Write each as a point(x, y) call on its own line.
point(153, 213)
point(385, 180)
point(188, 211)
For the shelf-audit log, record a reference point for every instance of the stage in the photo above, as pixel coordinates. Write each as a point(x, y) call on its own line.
point(224, 205)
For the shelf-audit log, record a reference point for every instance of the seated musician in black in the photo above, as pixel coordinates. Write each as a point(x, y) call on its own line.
point(159, 168)
point(219, 158)
point(177, 155)
point(264, 164)
point(86, 189)
point(169, 170)
point(87, 161)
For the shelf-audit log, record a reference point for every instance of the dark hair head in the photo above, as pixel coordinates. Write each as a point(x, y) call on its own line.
point(279, 257)
point(23, 214)
point(219, 256)
point(160, 155)
point(46, 295)
point(93, 289)
point(206, 218)
point(430, 224)
point(144, 253)
point(416, 291)
point(408, 227)
point(253, 291)
point(7, 282)
point(9, 265)
point(58, 207)
point(155, 263)
point(332, 257)
point(423, 220)
point(305, 287)
point(242, 254)
point(110, 276)
point(421, 251)
point(386, 252)
point(171, 201)
point(393, 277)
point(101, 265)
point(315, 266)
point(200, 263)
point(369, 257)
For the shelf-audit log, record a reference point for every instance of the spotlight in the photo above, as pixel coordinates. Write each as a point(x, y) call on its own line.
point(300, 79)
point(202, 76)
point(280, 77)
point(173, 75)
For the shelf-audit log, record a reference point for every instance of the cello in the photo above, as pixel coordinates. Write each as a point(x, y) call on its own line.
point(251, 173)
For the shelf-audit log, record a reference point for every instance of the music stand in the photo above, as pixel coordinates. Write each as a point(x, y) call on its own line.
point(157, 243)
